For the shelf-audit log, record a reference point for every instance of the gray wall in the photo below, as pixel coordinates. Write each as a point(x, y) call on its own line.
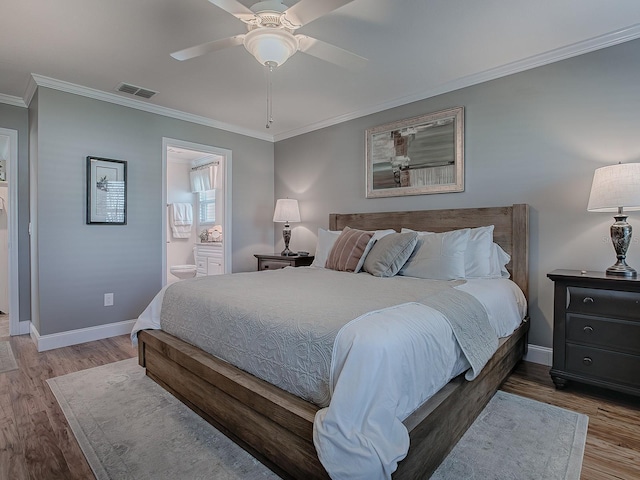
point(534, 137)
point(16, 118)
point(78, 263)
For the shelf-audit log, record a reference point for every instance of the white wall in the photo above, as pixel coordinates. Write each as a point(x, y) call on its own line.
point(535, 137)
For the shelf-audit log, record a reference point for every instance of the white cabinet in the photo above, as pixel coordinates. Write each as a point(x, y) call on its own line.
point(209, 259)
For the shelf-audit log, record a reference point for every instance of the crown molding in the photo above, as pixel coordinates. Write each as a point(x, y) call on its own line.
point(552, 56)
point(11, 100)
point(42, 81)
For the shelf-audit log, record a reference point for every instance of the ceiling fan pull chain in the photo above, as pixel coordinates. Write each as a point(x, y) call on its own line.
point(270, 67)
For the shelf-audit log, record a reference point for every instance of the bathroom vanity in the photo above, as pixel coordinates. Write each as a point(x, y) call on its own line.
point(209, 258)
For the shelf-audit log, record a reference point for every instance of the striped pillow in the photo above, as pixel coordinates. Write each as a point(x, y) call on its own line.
point(348, 249)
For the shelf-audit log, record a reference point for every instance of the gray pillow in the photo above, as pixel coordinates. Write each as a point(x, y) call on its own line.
point(389, 254)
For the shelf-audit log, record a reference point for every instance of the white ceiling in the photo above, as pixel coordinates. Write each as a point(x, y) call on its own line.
point(416, 48)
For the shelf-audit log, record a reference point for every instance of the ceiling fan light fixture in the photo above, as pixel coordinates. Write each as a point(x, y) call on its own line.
point(270, 45)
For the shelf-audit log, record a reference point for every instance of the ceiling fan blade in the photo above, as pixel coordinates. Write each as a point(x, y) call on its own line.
point(236, 9)
point(208, 47)
point(306, 11)
point(331, 53)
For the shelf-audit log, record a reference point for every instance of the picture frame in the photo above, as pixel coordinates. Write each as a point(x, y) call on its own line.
point(417, 156)
point(106, 191)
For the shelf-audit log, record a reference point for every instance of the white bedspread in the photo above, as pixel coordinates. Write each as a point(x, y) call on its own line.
point(360, 435)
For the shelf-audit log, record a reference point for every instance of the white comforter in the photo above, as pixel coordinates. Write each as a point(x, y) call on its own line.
point(360, 435)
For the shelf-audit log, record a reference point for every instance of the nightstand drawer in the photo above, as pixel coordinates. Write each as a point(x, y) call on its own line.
point(604, 364)
point(594, 301)
point(620, 335)
point(273, 264)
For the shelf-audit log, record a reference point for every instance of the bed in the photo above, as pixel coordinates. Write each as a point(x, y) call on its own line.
point(277, 426)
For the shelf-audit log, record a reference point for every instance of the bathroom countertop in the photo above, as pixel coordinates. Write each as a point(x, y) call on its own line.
point(209, 243)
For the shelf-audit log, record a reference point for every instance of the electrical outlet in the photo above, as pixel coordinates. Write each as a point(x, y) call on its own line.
point(108, 299)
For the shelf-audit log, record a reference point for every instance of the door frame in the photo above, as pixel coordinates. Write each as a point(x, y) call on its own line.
point(226, 176)
point(12, 232)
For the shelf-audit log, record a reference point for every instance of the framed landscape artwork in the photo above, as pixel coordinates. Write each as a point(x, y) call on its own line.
point(106, 191)
point(417, 156)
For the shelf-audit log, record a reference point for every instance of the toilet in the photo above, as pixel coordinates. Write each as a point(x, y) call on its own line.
point(183, 271)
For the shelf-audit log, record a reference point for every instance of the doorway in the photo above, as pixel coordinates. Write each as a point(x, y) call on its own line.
point(9, 299)
point(179, 158)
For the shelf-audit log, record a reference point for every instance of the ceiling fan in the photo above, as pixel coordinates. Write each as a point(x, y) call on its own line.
point(270, 38)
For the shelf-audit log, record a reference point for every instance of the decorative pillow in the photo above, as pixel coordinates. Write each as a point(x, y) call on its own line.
point(390, 253)
point(348, 249)
point(477, 256)
point(499, 261)
point(326, 239)
point(377, 235)
point(438, 256)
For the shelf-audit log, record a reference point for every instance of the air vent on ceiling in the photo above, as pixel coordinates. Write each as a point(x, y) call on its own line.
point(134, 90)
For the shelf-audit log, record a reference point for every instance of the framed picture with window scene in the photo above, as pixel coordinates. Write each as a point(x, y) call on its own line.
point(106, 191)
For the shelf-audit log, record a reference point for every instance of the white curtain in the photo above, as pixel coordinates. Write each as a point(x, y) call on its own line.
point(204, 179)
point(200, 179)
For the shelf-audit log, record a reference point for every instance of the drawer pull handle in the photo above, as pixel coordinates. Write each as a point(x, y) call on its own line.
point(587, 300)
point(587, 329)
point(587, 361)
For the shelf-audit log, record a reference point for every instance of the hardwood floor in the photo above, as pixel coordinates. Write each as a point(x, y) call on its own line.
point(36, 442)
point(612, 449)
point(4, 325)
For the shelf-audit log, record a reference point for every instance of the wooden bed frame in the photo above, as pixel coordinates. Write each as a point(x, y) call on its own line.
point(276, 426)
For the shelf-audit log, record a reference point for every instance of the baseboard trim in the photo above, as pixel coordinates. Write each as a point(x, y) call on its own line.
point(82, 335)
point(538, 354)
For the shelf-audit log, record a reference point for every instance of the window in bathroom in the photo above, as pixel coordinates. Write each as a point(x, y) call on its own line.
point(207, 207)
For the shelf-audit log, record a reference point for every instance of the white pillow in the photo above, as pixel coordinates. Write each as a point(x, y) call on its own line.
point(376, 236)
point(326, 239)
point(477, 256)
point(499, 260)
point(438, 256)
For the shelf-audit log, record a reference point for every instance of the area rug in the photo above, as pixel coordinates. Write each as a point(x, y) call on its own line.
point(130, 428)
point(518, 438)
point(7, 360)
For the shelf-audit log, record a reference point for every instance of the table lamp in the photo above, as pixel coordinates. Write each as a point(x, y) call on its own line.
point(286, 211)
point(615, 188)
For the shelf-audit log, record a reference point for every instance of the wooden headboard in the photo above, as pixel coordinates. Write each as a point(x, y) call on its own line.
point(511, 228)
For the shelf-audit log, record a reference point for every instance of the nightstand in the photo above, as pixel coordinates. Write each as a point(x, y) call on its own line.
point(273, 261)
point(596, 330)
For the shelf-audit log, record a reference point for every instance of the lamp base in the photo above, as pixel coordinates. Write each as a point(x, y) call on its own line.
point(621, 238)
point(621, 269)
point(286, 236)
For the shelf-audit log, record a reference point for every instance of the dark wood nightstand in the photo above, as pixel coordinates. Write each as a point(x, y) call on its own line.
point(273, 261)
point(596, 330)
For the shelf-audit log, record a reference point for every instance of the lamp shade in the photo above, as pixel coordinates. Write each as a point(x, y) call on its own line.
point(615, 186)
point(270, 45)
point(286, 211)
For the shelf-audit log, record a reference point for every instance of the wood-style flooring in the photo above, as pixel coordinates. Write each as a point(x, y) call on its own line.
point(4, 325)
point(36, 442)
